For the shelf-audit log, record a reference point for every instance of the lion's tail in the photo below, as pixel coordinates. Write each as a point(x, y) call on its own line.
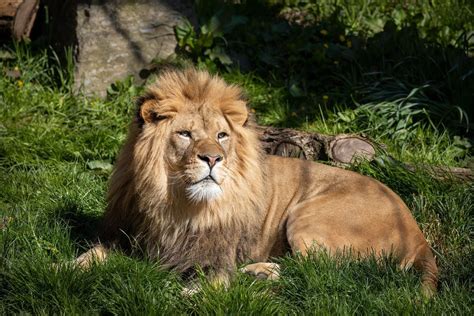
point(425, 263)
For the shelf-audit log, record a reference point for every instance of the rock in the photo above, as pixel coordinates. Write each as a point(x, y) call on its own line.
point(116, 38)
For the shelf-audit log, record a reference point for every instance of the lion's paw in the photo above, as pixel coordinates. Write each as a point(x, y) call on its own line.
point(263, 270)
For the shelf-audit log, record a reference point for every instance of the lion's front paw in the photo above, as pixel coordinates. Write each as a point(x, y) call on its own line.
point(263, 270)
point(85, 261)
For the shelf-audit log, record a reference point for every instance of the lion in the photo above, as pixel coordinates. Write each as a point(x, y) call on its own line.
point(193, 188)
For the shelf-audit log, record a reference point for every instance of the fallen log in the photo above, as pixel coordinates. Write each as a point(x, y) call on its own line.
point(342, 149)
point(17, 18)
point(444, 172)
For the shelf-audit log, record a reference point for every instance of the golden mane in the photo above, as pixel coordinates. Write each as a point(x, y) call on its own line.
point(141, 201)
point(174, 89)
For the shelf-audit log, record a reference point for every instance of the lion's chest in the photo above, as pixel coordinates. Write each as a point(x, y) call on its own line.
point(216, 247)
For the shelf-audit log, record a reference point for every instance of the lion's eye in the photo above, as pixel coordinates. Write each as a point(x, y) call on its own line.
point(222, 135)
point(185, 134)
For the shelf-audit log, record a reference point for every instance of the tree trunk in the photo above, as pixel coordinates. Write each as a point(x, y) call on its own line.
point(17, 17)
point(340, 149)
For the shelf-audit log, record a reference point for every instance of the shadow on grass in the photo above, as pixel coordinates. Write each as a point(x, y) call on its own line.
point(84, 227)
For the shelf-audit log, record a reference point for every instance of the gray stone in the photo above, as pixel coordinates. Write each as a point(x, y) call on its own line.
point(117, 38)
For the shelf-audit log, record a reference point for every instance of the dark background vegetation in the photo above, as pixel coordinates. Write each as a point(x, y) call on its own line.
point(412, 53)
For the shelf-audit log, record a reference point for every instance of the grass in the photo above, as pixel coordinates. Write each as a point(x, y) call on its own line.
point(57, 149)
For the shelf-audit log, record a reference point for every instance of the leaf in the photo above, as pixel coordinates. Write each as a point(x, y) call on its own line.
point(99, 165)
point(206, 40)
point(184, 33)
point(212, 27)
point(219, 54)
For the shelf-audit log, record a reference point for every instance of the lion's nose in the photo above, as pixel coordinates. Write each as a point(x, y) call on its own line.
point(210, 159)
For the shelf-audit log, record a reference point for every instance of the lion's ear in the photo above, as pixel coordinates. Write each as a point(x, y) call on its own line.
point(148, 110)
point(237, 112)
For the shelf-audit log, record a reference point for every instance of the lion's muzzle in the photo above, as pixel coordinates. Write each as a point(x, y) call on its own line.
point(208, 172)
point(210, 159)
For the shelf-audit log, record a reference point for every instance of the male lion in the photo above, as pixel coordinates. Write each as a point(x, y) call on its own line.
point(193, 189)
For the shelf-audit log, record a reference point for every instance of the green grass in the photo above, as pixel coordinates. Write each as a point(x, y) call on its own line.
point(55, 152)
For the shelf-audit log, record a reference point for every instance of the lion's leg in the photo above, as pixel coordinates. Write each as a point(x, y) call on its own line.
point(306, 234)
point(263, 270)
point(216, 279)
point(96, 254)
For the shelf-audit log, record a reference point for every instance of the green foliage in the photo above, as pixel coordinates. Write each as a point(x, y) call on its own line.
point(207, 45)
point(446, 22)
point(125, 87)
point(352, 53)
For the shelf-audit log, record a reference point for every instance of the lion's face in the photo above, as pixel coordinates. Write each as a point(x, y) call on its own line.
point(198, 123)
point(199, 146)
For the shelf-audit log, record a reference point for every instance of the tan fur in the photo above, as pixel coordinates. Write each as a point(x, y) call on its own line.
point(259, 206)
